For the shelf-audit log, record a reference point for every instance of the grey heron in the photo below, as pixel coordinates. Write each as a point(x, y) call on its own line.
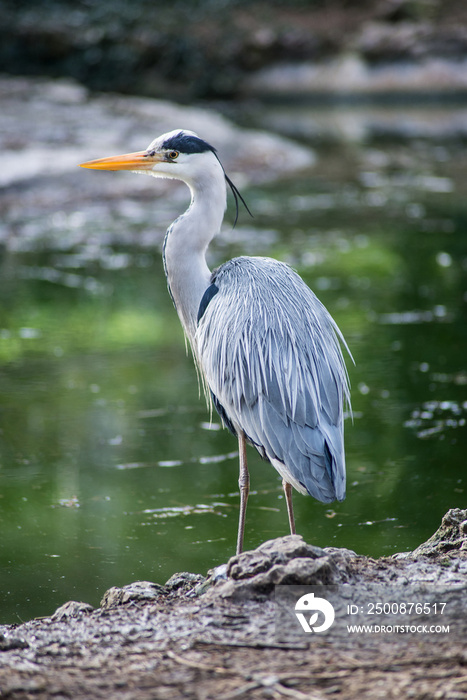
point(268, 350)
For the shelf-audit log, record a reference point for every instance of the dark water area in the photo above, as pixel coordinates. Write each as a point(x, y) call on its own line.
point(111, 468)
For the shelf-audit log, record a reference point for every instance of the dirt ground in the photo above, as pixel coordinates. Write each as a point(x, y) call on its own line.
point(220, 637)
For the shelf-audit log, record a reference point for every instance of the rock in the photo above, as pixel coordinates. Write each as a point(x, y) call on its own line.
point(183, 582)
point(283, 561)
point(133, 592)
point(39, 114)
point(450, 538)
point(349, 74)
point(71, 609)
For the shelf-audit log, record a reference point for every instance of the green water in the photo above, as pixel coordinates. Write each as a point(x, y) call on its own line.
point(110, 470)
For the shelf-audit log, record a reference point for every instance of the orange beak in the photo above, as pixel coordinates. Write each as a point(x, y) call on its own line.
point(128, 161)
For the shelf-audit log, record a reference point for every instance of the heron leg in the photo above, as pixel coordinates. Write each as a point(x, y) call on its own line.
point(288, 499)
point(244, 484)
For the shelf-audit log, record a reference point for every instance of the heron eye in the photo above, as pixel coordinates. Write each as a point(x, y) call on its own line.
point(173, 154)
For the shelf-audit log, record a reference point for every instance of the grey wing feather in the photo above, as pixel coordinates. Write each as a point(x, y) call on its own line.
point(270, 354)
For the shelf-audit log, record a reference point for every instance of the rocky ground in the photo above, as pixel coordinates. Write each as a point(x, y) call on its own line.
point(218, 637)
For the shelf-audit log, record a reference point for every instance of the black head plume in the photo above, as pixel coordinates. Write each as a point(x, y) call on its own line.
point(187, 142)
point(238, 197)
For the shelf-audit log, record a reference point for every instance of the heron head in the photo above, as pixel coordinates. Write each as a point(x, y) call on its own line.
point(179, 154)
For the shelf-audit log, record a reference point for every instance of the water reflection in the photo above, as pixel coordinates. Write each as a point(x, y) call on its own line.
point(111, 467)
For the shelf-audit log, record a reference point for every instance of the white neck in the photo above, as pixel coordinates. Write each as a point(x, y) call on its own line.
point(186, 243)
